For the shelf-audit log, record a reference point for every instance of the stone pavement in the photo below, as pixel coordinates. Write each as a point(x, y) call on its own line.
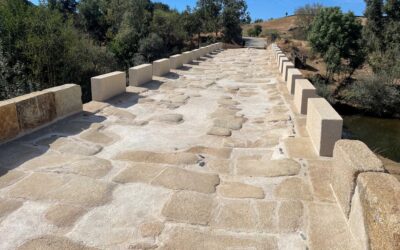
point(209, 157)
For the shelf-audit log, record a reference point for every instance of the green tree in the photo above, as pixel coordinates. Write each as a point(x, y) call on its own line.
point(255, 31)
point(209, 12)
point(192, 24)
point(259, 20)
point(374, 26)
point(93, 19)
point(337, 37)
point(233, 15)
point(305, 15)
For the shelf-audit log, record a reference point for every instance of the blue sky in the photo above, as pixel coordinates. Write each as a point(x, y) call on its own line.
point(277, 8)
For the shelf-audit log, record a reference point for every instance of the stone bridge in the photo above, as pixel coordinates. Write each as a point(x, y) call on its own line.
point(205, 150)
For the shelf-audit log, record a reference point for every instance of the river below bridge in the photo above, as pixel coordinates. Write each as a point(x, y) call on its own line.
point(381, 135)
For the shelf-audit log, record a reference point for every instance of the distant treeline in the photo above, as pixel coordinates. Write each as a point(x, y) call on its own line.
point(69, 41)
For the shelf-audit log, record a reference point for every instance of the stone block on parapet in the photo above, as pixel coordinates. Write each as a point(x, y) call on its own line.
point(281, 61)
point(304, 91)
point(176, 61)
point(161, 67)
point(276, 52)
point(108, 85)
point(324, 125)
point(350, 158)
point(68, 99)
point(375, 211)
point(35, 109)
point(195, 54)
point(187, 57)
point(278, 57)
point(140, 74)
point(286, 67)
point(293, 75)
point(9, 125)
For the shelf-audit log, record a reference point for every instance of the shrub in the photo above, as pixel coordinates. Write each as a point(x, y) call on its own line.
point(271, 35)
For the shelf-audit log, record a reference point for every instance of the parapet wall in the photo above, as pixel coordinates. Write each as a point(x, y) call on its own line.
point(368, 197)
point(26, 113)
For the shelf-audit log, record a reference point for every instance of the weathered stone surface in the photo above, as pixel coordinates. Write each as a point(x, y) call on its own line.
point(293, 189)
point(108, 85)
point(220, 166)
point(119, 113)
point(277, 117)
point(227, 102)
point(189, 207)
point(151, 229)
point(143, 246)
point(299, 147)
point(139, 172)
point(350, 158)
point(37, 186)
point(49, 160)
point(221, 112)
point(380, 200)
point(229, 122)
point(219, 131)
point(50, 242)
point(91, 167)
point(70, 146)
point(96, 136)
point(240, 190)
point(83, 191)
point(290, 216)
point(64, 215)
point(9, 177)
point(8, 206)
point(68, 99)
point(271, 168)
point(236, 216)
point(35, 109)
point(178, 158)
point(194, 239)
point(9, 126)
point(216, 152)
point(268, 220)
point(320, 176)
point(328, 228)
point(169, 118)
point(182, 179)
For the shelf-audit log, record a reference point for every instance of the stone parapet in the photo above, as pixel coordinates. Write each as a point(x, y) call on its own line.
point(286, 67)
point(108, 85)
point(350, 158)
point(282, 60)
point(140, 74)
point(293, 74)
point(26, 113)
point(176, 61)
point(161, 67)
point(324, 125)
point(303, 91)
point(187, 57)
point(196, 54)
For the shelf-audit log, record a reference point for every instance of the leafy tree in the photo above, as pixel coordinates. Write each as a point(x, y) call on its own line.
point(255, 31)
point(209, 12)
point(305, 15)
point(337, 37)
point(192, 24)
point(374, 26)
point(234, 13)
point(259, 20)
point(93, 19)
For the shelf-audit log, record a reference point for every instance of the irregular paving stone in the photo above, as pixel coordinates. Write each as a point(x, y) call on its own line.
point(69, 146)
point(228, 102)
point(294, 189)
point(49, 160)
point(139, 172)
point(320, 176)
point(151, 229)
point(143, 246)
point(95, 136)
point(216, 152)
point(220, 166)
point(219, 131)
point(221, 112)
point(189, 207)
point(267, 221)
point(50, 242)
point(37, 186)
point(182, 179)
point(229, 122)
point(169, 118)
point(300, 147)
point(178, 158)
point(277, 117)
point(64, 215)
point(91, 167)
point(9, 177)
point(194, 239)
point(235, 215)
point(8, 206)
point(83, 191)
point(240, 190)
point(265, 168)
point(119, 113)
point(290, 216)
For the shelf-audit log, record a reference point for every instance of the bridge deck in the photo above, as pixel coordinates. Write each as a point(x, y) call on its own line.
point(209, 157)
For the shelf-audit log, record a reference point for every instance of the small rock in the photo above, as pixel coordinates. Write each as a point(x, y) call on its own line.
point(169, 118)
point(240, 190)
point(151, 229)
point(219, 131)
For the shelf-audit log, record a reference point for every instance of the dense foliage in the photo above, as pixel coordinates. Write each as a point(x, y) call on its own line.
point(255, 31)
point(63, 41)
point(338, 38)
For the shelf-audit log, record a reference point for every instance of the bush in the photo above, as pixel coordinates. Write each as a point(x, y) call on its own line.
point(375, 95)
point(271, 35)
point(255, 31)
point(324, 89)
